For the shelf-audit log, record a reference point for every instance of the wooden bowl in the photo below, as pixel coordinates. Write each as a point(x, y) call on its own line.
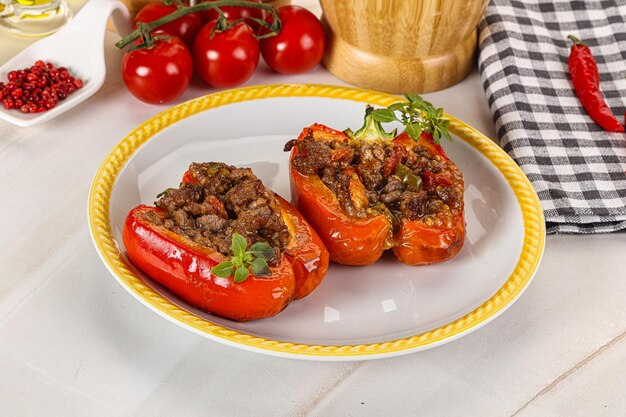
point(135, 5)
point(401, 46)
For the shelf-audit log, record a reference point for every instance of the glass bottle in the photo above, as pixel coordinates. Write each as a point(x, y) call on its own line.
point(33, 17)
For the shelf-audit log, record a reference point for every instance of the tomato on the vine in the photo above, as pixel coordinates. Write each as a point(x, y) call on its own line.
point(185, 27)
point(225, 58)
point(300, 44)
point(160, 73)
point(235, 13)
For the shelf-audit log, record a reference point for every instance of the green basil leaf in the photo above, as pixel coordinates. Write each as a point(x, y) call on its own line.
point(163, 193)
point(398, 106)
point(418, 102)
point(414, 130)
point(383, 115)
point(223, 270)
point(412, 97)
point(260, 267)
point(238, 244)
point(437, 135)
point(262, 250)
point(241, 274)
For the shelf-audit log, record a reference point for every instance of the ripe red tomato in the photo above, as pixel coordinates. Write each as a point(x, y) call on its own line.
point(185, 27)
point(227, 60)
point(159, 74)
point(300, 44)
point(234, 13)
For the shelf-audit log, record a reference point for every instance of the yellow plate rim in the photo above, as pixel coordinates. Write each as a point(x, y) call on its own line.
point(99, 225)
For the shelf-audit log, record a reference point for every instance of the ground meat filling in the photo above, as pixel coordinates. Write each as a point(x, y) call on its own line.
point(401, 183)
point(225, 200)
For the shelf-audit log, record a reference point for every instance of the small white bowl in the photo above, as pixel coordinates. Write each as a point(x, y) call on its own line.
point(78, 46)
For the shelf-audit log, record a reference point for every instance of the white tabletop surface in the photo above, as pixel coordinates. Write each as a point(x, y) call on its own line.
point(73, 342)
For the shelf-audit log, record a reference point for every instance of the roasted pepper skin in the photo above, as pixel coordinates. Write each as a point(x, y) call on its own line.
point(184, 267)
point(350, 241)
point(305, 251)
point(354, 241)
point(419, 244)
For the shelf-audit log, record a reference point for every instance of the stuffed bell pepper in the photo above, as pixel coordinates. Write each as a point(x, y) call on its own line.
point(369, 191)
point(227, 244)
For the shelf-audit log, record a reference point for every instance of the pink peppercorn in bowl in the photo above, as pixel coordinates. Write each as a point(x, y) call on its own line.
point(76, 53)
point(38, 88)
point(31, 93)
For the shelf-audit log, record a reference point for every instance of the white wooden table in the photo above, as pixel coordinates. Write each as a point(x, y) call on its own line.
point(73, 342)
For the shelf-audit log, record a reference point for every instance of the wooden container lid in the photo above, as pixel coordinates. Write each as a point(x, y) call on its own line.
point(400, 46)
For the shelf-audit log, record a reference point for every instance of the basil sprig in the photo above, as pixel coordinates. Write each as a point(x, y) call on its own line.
point(417, 115)
point(239, 266)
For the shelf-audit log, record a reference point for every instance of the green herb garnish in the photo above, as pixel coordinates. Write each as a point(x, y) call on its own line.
point(371, 129)
point(417, 115)
point(164, 192)
point(243, 260)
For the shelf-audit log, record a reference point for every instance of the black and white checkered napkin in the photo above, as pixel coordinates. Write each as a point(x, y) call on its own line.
point(577, 169)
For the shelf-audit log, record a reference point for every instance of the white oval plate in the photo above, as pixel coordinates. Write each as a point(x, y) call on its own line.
point(357, 313)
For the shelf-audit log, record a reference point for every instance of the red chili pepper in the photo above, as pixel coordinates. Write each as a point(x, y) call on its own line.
point(362, 241)
point(586, 80)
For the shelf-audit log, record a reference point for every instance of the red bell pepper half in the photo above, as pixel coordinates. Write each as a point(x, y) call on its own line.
point(361, 241)
point(418, 243)
point(184, 267)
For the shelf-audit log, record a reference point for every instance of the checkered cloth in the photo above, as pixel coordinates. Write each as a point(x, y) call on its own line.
point(577, 169)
